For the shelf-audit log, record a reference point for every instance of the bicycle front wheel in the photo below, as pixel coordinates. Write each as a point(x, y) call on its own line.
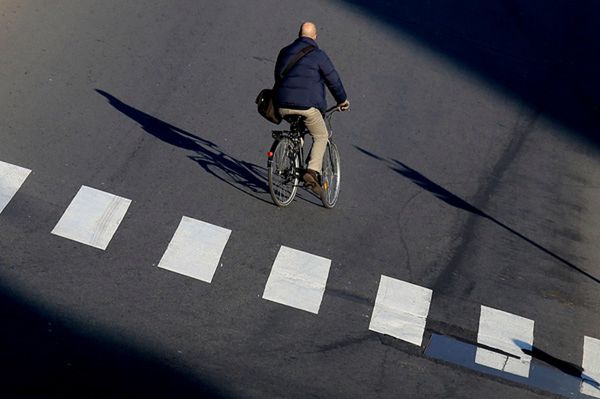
point(331, 176)
point(283, 173)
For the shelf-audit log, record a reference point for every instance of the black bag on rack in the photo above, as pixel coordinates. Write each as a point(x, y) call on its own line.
point(266, 107)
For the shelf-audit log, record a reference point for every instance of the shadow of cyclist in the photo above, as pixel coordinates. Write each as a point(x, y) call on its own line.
point(455, 201)
point(241, 175)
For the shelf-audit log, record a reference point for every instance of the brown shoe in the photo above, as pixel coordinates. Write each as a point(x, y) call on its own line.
point(312, 180)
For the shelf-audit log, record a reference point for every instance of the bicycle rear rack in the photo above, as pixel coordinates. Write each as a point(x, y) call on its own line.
point(278, 134)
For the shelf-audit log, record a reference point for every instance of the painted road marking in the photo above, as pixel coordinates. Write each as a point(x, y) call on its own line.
point(196, 249)
point(298, 279)
point(590, 384)
point(12, 178)
point(509, 333)
point(401, 310)
point(545, 376)
point(92, 218)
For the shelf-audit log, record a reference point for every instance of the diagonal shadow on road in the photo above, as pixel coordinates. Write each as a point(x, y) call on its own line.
point(567, 368)
point(457, 202)
point(542, 53)
point(49, 354)
point(564, 366)
point(241, 175)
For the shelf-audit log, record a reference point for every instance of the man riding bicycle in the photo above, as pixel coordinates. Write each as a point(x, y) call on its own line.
point(302, 92)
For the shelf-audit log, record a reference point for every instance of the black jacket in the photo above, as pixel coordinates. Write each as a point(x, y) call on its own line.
point(304, 85)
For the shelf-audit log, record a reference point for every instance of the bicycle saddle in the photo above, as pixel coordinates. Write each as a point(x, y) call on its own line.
point(293, 118)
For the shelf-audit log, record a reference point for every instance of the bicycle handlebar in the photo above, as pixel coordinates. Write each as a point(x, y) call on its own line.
point(335, 108)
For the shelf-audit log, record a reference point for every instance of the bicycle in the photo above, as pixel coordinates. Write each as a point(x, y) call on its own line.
point(286, 163)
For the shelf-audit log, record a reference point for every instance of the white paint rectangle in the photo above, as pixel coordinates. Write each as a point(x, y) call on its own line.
point(298, 279)
point(92, 218)
point(401, 310)
point(12, 178)
point(508, 333)
point(590, 384)
point(196, 249)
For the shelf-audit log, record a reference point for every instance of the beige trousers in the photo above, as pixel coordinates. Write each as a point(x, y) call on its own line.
point(317, 129)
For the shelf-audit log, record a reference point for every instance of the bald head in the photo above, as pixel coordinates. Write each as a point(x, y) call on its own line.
point(308, 29)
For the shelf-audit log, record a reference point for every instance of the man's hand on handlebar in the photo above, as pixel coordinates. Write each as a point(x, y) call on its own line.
point(344, 106)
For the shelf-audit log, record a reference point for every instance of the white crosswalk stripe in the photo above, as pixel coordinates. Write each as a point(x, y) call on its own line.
point(92, 218)
point(591, 367)
point(401, 310)
point(195, 249)
point(509, 333)
point(12, 178)
point(297, 279)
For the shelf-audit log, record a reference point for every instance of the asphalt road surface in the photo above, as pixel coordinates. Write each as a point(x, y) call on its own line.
point(471, 183)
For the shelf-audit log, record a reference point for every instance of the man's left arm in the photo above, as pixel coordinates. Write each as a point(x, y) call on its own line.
point(278, 68)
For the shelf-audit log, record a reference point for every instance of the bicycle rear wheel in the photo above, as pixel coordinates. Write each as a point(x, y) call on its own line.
point(331, 176)
point(283, 173)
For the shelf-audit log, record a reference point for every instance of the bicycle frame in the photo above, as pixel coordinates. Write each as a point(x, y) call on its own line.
point(296, 134)
point(327, 116)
